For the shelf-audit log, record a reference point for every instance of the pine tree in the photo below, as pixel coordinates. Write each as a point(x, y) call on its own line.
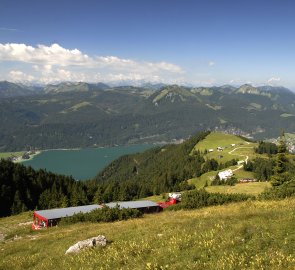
point(98, 199)
point(17, 206)
point(64, 201)
point(280, 171)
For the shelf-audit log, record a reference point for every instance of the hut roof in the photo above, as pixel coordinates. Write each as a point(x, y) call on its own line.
point(66, 212)
point(70, 211)
point(132, 204)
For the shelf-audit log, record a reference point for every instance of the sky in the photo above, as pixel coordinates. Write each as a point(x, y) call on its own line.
point(196, 42)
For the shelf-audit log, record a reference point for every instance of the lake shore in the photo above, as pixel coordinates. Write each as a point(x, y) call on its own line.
point(20, 159)
point(81, 164)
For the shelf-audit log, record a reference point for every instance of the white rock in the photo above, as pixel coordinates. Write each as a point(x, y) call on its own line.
point(91, 242)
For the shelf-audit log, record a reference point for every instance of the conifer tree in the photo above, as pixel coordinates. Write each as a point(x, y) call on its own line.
point(280, 171)
point(17, 206)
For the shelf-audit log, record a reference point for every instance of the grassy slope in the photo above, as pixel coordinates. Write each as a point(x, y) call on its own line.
point(9, 154)
point(247, 188)
point(216, 139)
point(240, 151)
point(252, 235)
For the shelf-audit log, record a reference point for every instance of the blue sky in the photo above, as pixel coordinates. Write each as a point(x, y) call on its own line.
point(197, 42)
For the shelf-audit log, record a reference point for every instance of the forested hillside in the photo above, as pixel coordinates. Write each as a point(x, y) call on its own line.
point(154, 172)
point(23, 189)
point(130, 177)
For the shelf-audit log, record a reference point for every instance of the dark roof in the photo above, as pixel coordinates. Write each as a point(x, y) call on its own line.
point(66, 212)
point(70, 211)
point(132, 204)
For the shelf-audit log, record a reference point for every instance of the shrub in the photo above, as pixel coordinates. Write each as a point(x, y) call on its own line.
point(280, 192)
point(201, 198)
point(105, 214)
point(230, 182)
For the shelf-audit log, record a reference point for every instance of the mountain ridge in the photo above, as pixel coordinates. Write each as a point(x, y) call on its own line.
point(69, 114)
point(13, 89)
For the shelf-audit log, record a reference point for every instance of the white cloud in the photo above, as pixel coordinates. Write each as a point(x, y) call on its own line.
point(211, 64)
point(42, 54)
point(19, 76)
point(274, 80)
point(54, 63)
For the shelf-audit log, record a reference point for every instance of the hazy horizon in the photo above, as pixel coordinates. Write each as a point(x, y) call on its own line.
point(172, 42)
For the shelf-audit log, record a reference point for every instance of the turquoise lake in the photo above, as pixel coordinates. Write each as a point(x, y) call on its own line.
point(83, 163)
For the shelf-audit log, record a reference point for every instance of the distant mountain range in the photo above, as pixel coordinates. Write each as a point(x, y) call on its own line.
point(9, 89)
point(83, 115)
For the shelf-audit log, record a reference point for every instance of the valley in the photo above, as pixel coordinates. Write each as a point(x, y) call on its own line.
point(80, 115)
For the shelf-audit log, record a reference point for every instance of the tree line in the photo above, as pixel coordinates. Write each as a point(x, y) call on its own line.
point(156, 171)
point(23, 188)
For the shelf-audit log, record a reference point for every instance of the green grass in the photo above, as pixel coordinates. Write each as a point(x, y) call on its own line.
point(239, 151)
point(216, 139)
point(248, 235)
point(241, 173)
point(256, 105)
point(247, 188)
point(290, 136)
point(200, 182)
point(9, 154)
point(154, 198)
point(285, 115)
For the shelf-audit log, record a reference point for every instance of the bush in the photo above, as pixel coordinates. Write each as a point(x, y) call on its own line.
point(201, 198)
point(280, 192)
point(105, 214)
point(230, 182)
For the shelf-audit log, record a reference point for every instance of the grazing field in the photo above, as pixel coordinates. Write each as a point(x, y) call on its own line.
point(248, 235)
point(201, 181)
point(234, 147)
point(248, 188)
point(10, 154)
point(215, 139)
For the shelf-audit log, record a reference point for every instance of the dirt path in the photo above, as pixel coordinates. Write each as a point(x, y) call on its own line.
point(245, 160)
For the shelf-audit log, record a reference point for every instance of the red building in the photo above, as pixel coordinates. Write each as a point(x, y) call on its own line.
point(49, 218)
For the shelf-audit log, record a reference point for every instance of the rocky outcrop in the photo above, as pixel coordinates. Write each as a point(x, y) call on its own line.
point(88, 243)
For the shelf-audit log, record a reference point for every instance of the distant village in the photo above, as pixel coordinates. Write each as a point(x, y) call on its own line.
point(25, 156)
point(290, 143)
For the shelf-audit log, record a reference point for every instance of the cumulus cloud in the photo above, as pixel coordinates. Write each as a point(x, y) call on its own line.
point(19, 76)
point(54, 62)
point(42, 54)
point(274, 80)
